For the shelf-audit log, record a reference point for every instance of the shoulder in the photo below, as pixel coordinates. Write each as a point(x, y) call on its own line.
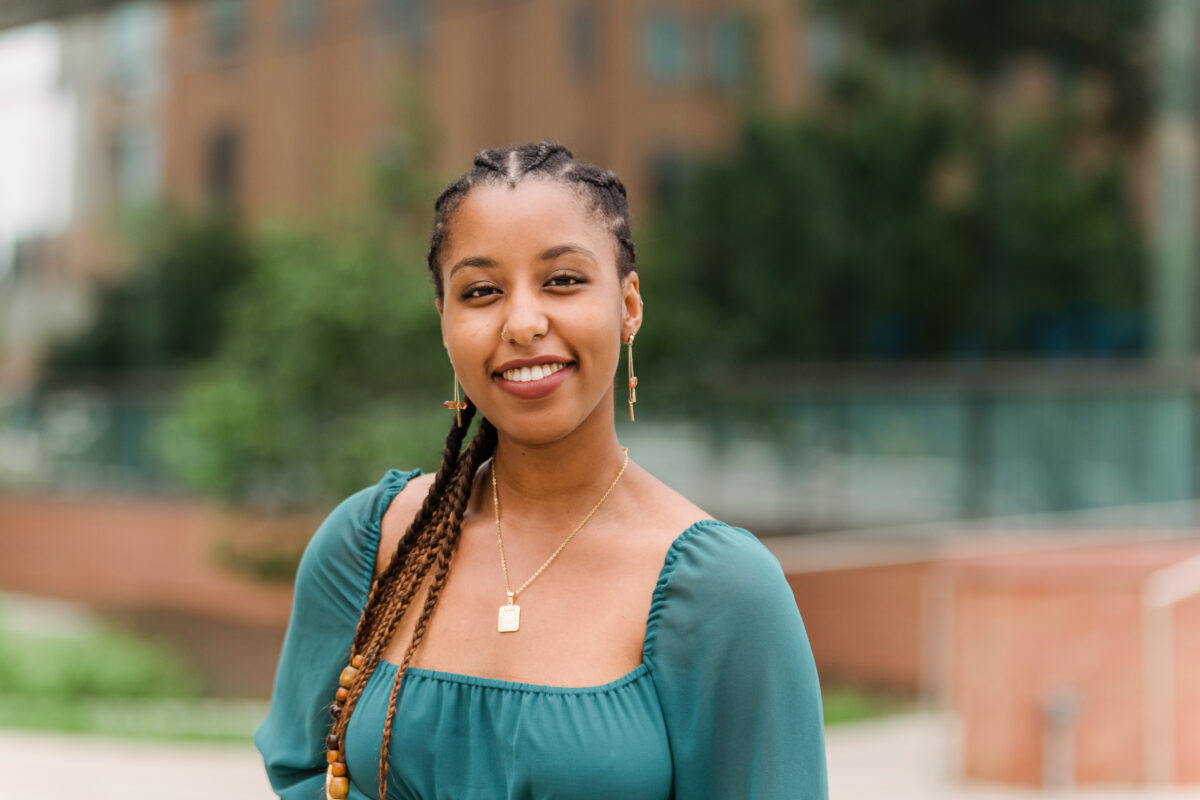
point(344, 545)
point(720, 584)
point(729, 562)
point(398, 515)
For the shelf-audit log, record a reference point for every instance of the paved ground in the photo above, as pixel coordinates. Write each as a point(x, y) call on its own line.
point(909, 758)
point(58, 767)
point(903, 758)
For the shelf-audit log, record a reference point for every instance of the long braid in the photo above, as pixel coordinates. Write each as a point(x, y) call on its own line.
point(480, 449)
point(387, 579)
point(431, 539)
point(393, 590)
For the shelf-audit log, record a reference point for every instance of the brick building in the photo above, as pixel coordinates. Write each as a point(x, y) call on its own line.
point(280, 105)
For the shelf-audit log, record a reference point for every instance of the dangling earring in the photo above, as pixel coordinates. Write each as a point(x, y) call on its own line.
point(632, 380)
point(456, 405)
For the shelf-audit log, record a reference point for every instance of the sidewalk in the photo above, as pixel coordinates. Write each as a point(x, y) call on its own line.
point(66, 767)
point(909, 758)
point(900, 758)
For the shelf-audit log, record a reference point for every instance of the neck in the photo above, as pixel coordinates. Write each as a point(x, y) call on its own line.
point(541, 484)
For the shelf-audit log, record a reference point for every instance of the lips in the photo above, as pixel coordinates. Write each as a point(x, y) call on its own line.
point(531, 379)
point(534, 373)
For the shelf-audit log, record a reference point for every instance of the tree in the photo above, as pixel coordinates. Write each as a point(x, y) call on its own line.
point(167, 311)
point(856, 234)
point(328, 373)
point(1075, 37)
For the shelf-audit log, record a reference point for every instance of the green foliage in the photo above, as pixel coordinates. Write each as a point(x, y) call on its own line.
point(168, 311)
point(892, 225)
point(1101, 37)
point(102, 663)
point(100, 680)
point(854, 703)
point(330, 370)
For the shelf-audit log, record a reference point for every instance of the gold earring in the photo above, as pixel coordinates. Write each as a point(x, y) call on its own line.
point(632, 380)
point(456, 405)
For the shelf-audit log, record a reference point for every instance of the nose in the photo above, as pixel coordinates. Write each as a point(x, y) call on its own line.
point(526, 320)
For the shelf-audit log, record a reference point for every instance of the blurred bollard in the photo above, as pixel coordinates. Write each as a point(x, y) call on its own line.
point(1060, 710)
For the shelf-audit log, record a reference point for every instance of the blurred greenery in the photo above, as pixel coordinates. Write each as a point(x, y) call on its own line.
point(170, 307)
point(101, 680)
point(101, 663)
point(846, 703)
point(331, 369)
point(1076, 39)
point(893, 225)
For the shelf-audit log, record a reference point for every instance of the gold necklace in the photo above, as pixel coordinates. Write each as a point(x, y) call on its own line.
point(510, 613)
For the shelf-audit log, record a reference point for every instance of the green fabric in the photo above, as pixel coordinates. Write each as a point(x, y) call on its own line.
point(725, 704)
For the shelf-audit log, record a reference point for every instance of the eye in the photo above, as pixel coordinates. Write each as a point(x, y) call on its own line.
point(478, 290)
point(565, 279)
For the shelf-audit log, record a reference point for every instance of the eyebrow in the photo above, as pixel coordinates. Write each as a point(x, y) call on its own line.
point(566, 249)
point(471, 261)
point(546, 255)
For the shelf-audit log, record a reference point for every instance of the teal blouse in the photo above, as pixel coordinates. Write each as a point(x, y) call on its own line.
point(725, 703)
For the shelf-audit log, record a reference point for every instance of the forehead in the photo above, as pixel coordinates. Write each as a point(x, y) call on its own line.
point(532, 215)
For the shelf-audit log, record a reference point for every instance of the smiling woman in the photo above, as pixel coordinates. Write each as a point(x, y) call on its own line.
point(646, 651)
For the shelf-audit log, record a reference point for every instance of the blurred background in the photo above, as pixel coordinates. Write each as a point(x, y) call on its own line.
point(921, 296)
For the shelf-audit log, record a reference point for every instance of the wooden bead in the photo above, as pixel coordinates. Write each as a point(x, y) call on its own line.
point(331, 742)
point(335, 709)
point(337, 769)
point(357, 662)
point(338, 788)
point(347, 677)
point(333, 756)
point(342, 694)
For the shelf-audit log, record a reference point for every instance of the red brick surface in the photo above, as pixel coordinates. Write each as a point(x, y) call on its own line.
point(864, 623)
point(1026, 626)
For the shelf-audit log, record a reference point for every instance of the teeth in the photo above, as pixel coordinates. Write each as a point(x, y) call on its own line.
point(534, 373)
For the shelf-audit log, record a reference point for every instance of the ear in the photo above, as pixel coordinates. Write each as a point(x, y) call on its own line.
point(631, 305)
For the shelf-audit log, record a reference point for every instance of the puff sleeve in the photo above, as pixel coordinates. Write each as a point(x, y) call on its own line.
point(332, 583)
point(734, 672)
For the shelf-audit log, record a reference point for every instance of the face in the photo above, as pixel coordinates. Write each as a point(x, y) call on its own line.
point(533, 311)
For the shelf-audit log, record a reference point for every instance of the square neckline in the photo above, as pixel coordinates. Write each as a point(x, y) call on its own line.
point(664, 573)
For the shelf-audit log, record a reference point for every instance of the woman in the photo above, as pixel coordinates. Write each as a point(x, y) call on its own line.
point(542, 618)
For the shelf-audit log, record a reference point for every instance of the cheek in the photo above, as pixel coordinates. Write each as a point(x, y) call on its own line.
point(467, 337)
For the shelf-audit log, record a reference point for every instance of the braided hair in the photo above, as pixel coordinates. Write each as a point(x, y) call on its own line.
point(548, 161)
point(430, 540)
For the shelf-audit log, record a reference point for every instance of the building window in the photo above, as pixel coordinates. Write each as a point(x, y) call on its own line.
point(134, 34)
point(226, 25)
point(581, 38)
point(409, 18)
point(221, 171)
point(664, 48)
point(135, 165)
point(728, 51)
point(301, 17)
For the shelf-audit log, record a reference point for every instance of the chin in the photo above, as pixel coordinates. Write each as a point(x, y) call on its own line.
point(535, 428)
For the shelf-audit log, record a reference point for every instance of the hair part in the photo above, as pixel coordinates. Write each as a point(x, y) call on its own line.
point(545, 160)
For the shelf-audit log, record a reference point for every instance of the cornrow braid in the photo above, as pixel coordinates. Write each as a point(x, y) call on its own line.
point(545, 160)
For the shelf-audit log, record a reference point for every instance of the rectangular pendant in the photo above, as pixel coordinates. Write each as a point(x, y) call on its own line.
point(510, 618)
